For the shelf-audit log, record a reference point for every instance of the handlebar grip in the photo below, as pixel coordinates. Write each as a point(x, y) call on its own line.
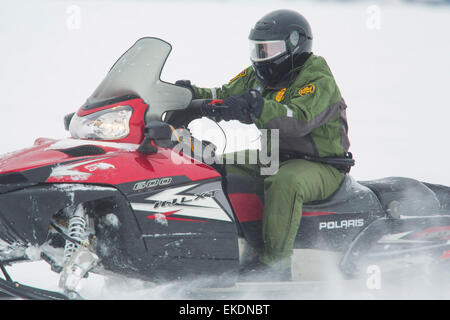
point(199, 108)
point(213, 110)
point(216, 102)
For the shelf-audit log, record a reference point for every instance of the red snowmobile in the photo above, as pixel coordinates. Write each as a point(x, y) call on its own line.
point(119, 196)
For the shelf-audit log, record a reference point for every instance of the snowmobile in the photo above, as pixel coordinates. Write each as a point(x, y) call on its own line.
point(119, 197)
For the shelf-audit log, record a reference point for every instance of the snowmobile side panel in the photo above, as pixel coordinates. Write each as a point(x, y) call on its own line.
point(189, 226)
point(387, 237)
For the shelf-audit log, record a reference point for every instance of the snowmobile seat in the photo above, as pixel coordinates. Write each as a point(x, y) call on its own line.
point(351, 197)
point(405, 196)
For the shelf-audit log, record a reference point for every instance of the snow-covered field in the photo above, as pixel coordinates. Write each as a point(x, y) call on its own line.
point(391, 61)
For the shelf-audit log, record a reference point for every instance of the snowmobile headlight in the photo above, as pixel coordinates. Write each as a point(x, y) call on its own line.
point(109, 124)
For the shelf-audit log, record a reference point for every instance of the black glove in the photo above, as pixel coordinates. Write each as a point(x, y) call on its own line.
point(243, 107)
point(185, 84)
point(255, 102)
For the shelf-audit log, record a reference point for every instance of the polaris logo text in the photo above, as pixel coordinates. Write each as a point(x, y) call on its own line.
point(343, 224)
point(152, 183)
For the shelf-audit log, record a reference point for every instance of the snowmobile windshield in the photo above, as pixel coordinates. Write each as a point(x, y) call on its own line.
point(266, 50)
point(137, 72)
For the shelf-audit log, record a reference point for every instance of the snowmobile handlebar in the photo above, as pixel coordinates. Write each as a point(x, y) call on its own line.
point(197, 109)
point(207, 107)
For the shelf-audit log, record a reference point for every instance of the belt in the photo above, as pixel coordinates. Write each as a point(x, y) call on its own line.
point(343, 163)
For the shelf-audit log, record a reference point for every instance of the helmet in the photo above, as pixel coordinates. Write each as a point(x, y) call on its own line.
point(280, 42)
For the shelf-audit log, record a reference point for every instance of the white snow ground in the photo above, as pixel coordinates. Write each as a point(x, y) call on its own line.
point(391, 61)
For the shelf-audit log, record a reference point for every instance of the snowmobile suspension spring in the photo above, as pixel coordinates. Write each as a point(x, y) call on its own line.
point(76, 231)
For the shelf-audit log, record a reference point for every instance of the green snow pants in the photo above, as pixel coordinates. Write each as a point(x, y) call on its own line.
point(297, 181)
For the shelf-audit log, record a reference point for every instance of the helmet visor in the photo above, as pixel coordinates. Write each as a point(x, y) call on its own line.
point(266, 50)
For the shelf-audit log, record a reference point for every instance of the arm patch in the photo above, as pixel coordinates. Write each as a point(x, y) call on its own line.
point(280, 95)
point(309, 88)
point(240, 75)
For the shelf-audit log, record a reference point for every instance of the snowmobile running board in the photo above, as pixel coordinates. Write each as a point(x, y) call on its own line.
point(17, 290)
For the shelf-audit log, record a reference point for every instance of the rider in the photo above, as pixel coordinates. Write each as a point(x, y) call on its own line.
point(290, 89)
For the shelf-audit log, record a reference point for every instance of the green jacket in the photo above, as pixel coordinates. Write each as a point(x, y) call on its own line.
point(310, 113)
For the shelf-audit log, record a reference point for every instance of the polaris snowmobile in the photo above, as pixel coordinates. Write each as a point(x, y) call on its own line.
point(119, 197)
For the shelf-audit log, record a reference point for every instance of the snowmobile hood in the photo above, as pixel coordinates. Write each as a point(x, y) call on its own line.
point(95, 162)
point(48, 152)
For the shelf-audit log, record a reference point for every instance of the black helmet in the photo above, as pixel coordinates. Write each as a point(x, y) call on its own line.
point(279, 42)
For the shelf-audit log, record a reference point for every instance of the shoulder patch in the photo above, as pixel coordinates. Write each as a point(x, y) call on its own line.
point(280, 95)
point(240, 75)
point(309, 88)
